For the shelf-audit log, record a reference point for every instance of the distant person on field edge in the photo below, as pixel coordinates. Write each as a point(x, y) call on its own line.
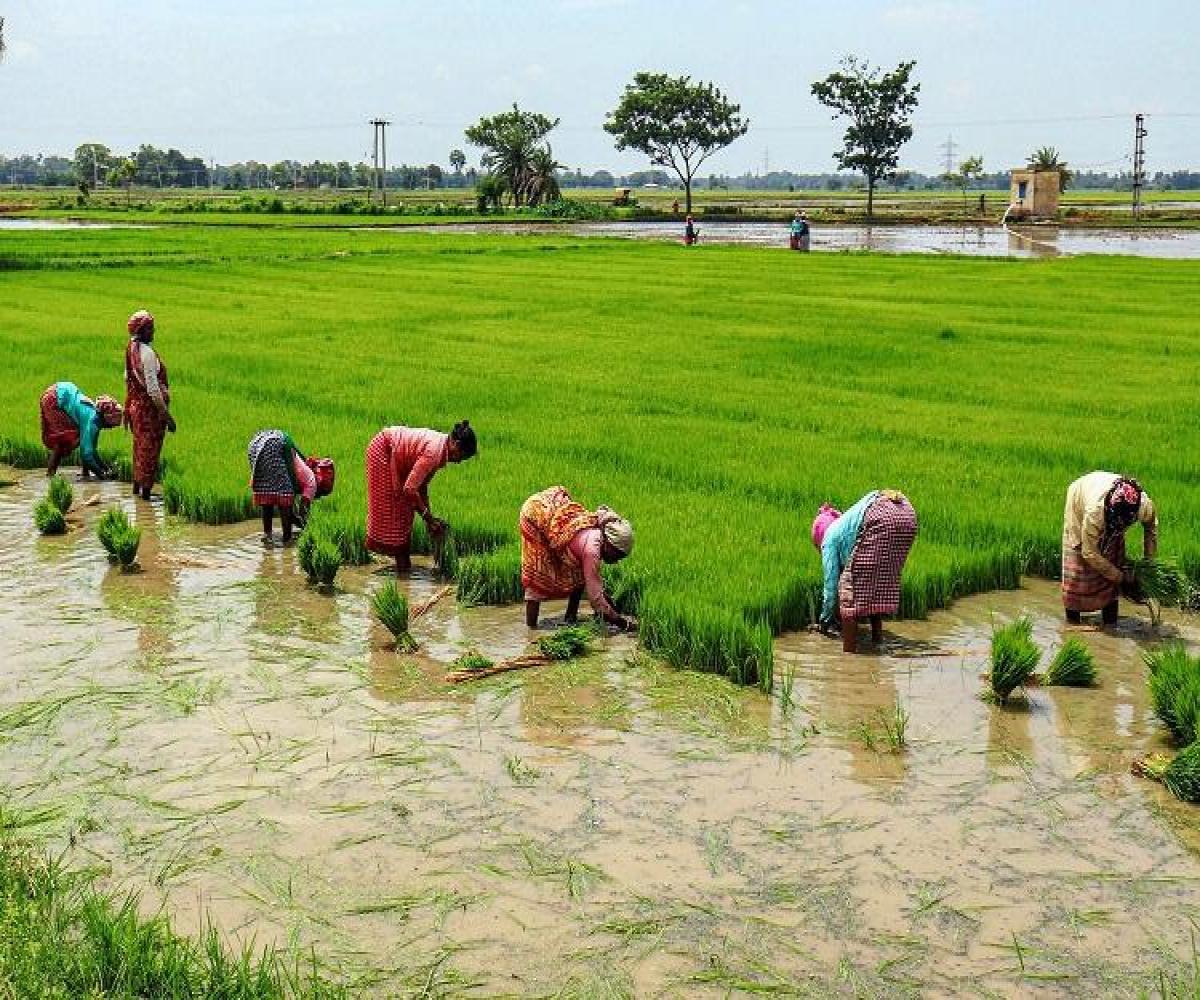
point(689, 232)
point(801, 235)
point(562, 546)
point(862, 556)
point(280, 476)
point(71, 420)
point(147, 402)
point(400, 463)
point(1101, 507)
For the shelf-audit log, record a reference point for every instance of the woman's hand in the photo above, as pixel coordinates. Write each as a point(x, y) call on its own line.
point(437, 527)
point(170, 422)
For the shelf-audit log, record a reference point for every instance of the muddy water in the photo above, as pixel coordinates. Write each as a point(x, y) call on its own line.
point(228, 741)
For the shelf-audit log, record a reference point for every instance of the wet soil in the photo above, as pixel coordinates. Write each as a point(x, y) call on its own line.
point(219, 736)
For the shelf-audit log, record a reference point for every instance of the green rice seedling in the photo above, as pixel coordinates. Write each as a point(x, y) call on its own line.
point(319, 556)
point(472, 659)
point(112, 522)
point(1160, 583)
point(60, 493)
point(787, 684)
point(48, 518)
point(1175, 690)
point(567, 642)
point(1181, 773)
point(391, 608)
point(1073, 666)
point(894, 722)
point(125, 545)
point(1014, 657)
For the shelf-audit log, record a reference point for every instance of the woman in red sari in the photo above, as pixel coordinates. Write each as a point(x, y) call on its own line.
point(400, 463)
point(147, 402)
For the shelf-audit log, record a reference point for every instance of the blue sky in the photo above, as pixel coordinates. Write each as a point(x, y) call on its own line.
point(234, 79)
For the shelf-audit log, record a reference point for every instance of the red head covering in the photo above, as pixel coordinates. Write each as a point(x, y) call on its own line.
point(825, 517)
point(110, 411)
point(141, 325)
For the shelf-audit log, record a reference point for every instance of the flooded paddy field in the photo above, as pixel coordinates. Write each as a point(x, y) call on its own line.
point(218, 736)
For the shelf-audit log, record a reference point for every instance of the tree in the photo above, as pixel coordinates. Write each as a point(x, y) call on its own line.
point(92, 161)
point(969, 171)
point(879, 108)
point(1046, 158)
point(458, 160)
point(510, 141)
point(123, 173)
point(541, 179)
point(676, 123)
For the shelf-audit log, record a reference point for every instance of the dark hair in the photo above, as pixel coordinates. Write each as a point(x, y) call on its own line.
point(463, 435)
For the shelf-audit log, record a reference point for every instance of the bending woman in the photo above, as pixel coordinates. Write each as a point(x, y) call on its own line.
point(862, 556)
point(562, 547)
point(1101, 507)
point(280, 476)
point(400, 463)
point(71, 420)
point(147, 402)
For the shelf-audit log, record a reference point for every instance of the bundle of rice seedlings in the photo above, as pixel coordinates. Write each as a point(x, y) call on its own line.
point(48, 518)
point(1073, 666)
point(391, 608)
point(1160, 583)
point(567, 642)
point(319, 556)
point(112, 522)
point(1175, 690)
point(472, 659)
point(60, 493)
point(1014, 657)
point(1181, 774)
point(125, 542)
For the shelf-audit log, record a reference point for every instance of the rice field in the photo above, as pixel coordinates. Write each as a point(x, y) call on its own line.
point(714, 396)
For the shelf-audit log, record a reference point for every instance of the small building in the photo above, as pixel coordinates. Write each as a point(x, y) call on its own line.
point(1034, 193)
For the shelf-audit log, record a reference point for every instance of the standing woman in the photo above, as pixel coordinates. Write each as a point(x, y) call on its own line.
point(862, 556)
point(280, 476)
point(71, 420)
point(400, 463)
point(562, 546)
point(147, 399)
point(1101, 507)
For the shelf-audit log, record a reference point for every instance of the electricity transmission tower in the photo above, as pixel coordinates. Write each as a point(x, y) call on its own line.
point(949, 150)
point(380, 147)
point(1139, 163)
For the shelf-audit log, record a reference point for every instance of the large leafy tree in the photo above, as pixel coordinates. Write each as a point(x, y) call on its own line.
point(458, 160)
point(879, 106)
point(1047, 158)
point(677, 123)
point(512, 140)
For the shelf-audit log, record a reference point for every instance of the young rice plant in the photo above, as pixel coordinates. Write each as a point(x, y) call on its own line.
point(1073, 666)
point(60, 493)
point(1014, 657)
point(48, 518)
point(391, 608)
point(1175, 691)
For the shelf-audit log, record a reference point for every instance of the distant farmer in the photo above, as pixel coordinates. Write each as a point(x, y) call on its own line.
point(862, 555)
point(801, 235)
point(147, 402)
point(71, 420)
point(1101, 507)
point(280, 476)
point(562, 547)
point(690, 233)
point(400, 463)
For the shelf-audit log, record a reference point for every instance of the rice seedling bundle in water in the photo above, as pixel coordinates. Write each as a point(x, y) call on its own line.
point(1175, 690)
point(60, 493)
point(391, 608)
point(1014, 657)
point(319, 556)
point(112, 522)
point(48, 518)
point(472, 659)
point(1073, 666)
point(1181, 773)
point(567, 642)
point(1160, 583)
point(126, 541)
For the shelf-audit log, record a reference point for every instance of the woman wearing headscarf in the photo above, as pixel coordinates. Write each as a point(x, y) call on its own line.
point(147, 402)
point(280, 476)
point(71, 420)
point(562, 547)
point(1101, 507)
point(800, 234)
point(862, 556)
point(400, 463)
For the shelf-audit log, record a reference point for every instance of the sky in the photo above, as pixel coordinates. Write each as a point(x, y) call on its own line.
point(275, 79)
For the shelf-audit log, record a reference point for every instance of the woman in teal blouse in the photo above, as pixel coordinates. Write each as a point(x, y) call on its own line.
point(71, 420)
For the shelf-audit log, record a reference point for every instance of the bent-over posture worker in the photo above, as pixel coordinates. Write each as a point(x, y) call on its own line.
point(800, 233)
point(147, 402)
point(1100, 508)
point(562, 547)
point(71, 420)
point(280, 476)
point(400, 463)
point(862, 556)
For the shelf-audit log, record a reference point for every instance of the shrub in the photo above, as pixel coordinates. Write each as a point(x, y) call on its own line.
point(1073, 666)
point(1014, 657)
point(1175, 690)
point(48, 518)
point(391, 608)
point(60, 493)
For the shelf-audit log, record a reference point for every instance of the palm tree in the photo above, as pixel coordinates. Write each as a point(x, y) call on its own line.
point(458, 160)
point(1046, 158)
point(541, 177)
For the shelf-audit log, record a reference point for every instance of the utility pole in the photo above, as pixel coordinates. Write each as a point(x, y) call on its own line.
point(380, 146)
point(949, 150)
point(1139, 163)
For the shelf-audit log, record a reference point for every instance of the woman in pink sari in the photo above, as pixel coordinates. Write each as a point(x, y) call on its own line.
point(401, 461)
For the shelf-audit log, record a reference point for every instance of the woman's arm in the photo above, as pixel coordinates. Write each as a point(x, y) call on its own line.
point(831, 570)
point(1093, 528)
point(1149, 519)
point(89, 438)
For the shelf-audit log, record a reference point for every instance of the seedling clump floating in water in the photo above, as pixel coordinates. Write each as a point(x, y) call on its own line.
point(391, 608)
point(60, 493)
point(472, 659)
point(1073, 666)
point(319, 556)
point(567, 642)
point(48, 518)
point(119, 538)
point(1014, 657)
